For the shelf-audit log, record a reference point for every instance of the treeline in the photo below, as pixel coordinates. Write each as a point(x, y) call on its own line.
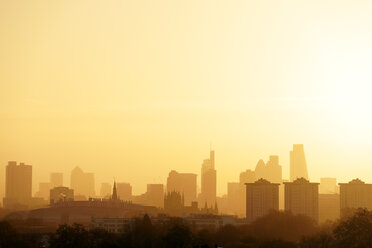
point(275, 230)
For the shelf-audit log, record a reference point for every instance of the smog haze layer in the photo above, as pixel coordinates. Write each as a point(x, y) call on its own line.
point(133, 89)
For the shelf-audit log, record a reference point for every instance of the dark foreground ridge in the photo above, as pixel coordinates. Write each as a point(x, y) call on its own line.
point(277, 229)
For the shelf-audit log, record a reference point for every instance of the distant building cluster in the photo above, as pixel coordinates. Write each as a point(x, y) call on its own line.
point(257, 192)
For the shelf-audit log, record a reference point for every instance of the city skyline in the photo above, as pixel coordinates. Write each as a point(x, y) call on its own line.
point(97, 186)
point(188, 123)
point(114, 92)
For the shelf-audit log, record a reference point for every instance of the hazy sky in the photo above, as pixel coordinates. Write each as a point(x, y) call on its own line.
point(132, 89)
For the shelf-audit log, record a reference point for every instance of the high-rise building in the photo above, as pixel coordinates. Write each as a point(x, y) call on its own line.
point(328, 185)
point(43, 192)
point(235, 199)
point(247, 176)
point(208, 181)
point(270, 171)
point(329, 207)
point(105, 191)
point(155, 195)
point(56, 180)
point(261, 197)
point(18, 185)
point(124, 191)
point(274, 170)
point(82, 183)
point(301, 197)
point(58, 194)
point(298, 166)
point(184, 183)
point(353, 195)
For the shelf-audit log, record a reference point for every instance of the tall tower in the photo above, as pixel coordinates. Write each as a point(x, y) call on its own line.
point(82, 183)
point(18, 185)
point(208, 181)
point(298, 167)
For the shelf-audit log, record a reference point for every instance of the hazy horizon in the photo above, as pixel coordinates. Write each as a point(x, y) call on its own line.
point(133, 90)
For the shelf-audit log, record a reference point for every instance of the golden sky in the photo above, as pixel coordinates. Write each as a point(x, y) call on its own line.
point(133, 89)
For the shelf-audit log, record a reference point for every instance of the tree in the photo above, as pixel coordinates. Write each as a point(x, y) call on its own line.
point(178, 235)
point(355, 231)
point(8, 236)
point(71, 236)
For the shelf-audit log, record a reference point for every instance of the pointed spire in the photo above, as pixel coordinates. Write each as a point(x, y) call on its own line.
point(114, 192)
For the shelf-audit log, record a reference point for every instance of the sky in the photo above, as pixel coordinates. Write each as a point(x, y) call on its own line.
point(130, 90)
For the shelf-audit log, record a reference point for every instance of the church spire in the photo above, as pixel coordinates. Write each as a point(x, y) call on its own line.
point(114, 193)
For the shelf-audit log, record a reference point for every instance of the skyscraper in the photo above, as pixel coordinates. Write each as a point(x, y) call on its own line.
point(43, 192)
point(155, 195)
point(261, 197)
point(56, 180)
point(124, 191)
point(82, 183)
point(18, 185)
point(235, 199)
point(353, 195)
point(184, 183)
point(298, 167)
point(328, 185)
point(208, 181)
point(302, 197)
point(105, 190)
point(270, 171)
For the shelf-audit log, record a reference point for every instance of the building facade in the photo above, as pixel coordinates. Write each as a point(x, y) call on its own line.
point(61, 194)
point(261, 197)
point(18, 185)
point(124, 191)
point(82, 183)
point(301, 197)
point(184, 183)
point(56, 179)
point(297, 163)
point(208, 181)
point(353, 195)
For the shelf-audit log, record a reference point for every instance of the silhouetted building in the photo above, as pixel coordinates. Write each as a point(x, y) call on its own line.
point(114, 195)
point(18, 185)
point(261, 197)
point(329, 207)
point(174, 203)
point(105, 191)
point(43, 192)
point(235, 199)
point(298, 166)
point(211, 221)
point(328, 185)
point(222, 203)
point(56, 180)
point(155, 195)
point(184, 183)
point(124, 191)
point(61, 194)
point(247, 176)
point(111, 225)
point(69, 212)
point(82, 183)
point(274, 170)
point(270, 171)
point(301, 197)
point(208, 181)
point(353, 195)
